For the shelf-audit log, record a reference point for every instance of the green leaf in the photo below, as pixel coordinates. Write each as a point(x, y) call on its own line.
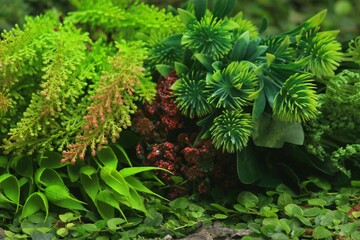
point(179, 203)
point(74, 171)
point(219, 207)
point(3, 162)
point(34, 203)
point(249, 168)
point(284, 199)
point(90, 227)
point(164, 70)
point(283, 47)
point(154, 219)
point(321, 232)
point(270, 58)
point(62, 232)
point(61, 197)
point(220, 216)
point(138, 186)
point(115, 223)
point(312, 212)
point(107, 157)
point(50, 160)
point(181, 68)
point(23, 165)
point(115, 180)
point(68, 217)
point(263, 25)
point(248, 199)
point(125, 172)
point(105, 204)
point(200, 8)
point(317, 202)
point(293, 210)
point(90, 181)
point(11, 188)
point(240, 208)
point(186, 17)
point(205, 61)
point(259, 105)
point(135, 201)
point(121, 153)
point(240, 47)
point(45, 177)
point(273, 133)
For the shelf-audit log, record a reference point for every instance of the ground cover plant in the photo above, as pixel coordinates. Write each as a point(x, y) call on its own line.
point(120, 120)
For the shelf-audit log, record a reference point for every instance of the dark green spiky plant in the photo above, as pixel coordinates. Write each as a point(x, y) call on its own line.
point(231, 79)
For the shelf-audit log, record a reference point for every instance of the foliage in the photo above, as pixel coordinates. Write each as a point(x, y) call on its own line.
point(45, 185)
point(231, 80)
point(70, 90)
point(334, 135)
point(317, 212)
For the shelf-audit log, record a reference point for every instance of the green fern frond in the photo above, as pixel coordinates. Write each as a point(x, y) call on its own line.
point(232, 87)
point(191, 97)
point(297, 100)
point(325, 52)
point(209, 36)
point(354, 50)
point(231, 130)
point(244, 25)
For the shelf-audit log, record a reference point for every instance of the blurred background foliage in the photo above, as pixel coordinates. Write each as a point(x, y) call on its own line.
point(281, 14)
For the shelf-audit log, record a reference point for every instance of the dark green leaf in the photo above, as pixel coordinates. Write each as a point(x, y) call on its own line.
point(115, 223)
point(11, 188)
point(249, 168)
point(50, 160)
point(45, 177)
point(164, 70)
point(90, 181)
point(248, 199)
point(263, 25)
point(240, 47)
point(179, 203)
point(205, 61)
point(200, 8)
point(105, 204)
point(186, 17)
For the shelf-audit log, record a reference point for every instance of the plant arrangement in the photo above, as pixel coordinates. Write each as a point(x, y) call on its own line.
point(180, 118)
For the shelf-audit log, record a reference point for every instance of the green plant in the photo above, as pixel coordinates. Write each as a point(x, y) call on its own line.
point(237, 85)
point(333, 137)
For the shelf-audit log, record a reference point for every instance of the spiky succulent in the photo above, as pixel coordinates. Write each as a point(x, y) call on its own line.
point(191, 97)
point(297, 100)
point(233, 86)
point(354, 50)
point(210, 36)
point(231, 130)
point(324, 51)
point(244, 25)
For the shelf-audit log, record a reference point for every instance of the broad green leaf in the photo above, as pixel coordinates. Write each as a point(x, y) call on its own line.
point(45, 177)
point(90, 227)
point(312, 212)
point(164, 70)
point(321, 232)
point(240, 208)
point(317, 202)
point(107, 157)
point(74, 171)
point(181, 69)
point(249, 167)
point(205, 61)
point(293, 210)
point(200, 8)
point(60, 196)
point(154, 219)
point(259, 105)
point(179, 203)
point(115, 223)
point(134, 200)
point(240, 47)
point(50, 160)
point(10, 188)
point(248, 199)
point(258, 52)
point(105, 204)
point(23, 165)
point(279, 236)
point(90, 181)
point(229, 25)
point(284, 199)
point(125, 172)
point(68, 217)
point(273, 133)
point(271, 89)
point(34, 203)
point(139, 186)
point(186, 17)
point(270, 58)
point(115, 180)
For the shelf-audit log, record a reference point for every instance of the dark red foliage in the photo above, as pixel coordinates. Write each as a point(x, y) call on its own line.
point(169, 142)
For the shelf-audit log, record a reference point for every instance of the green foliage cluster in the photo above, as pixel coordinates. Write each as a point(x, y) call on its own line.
point(229, 73)
point(333, 137)
point(45, 185)
point(70, 88)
